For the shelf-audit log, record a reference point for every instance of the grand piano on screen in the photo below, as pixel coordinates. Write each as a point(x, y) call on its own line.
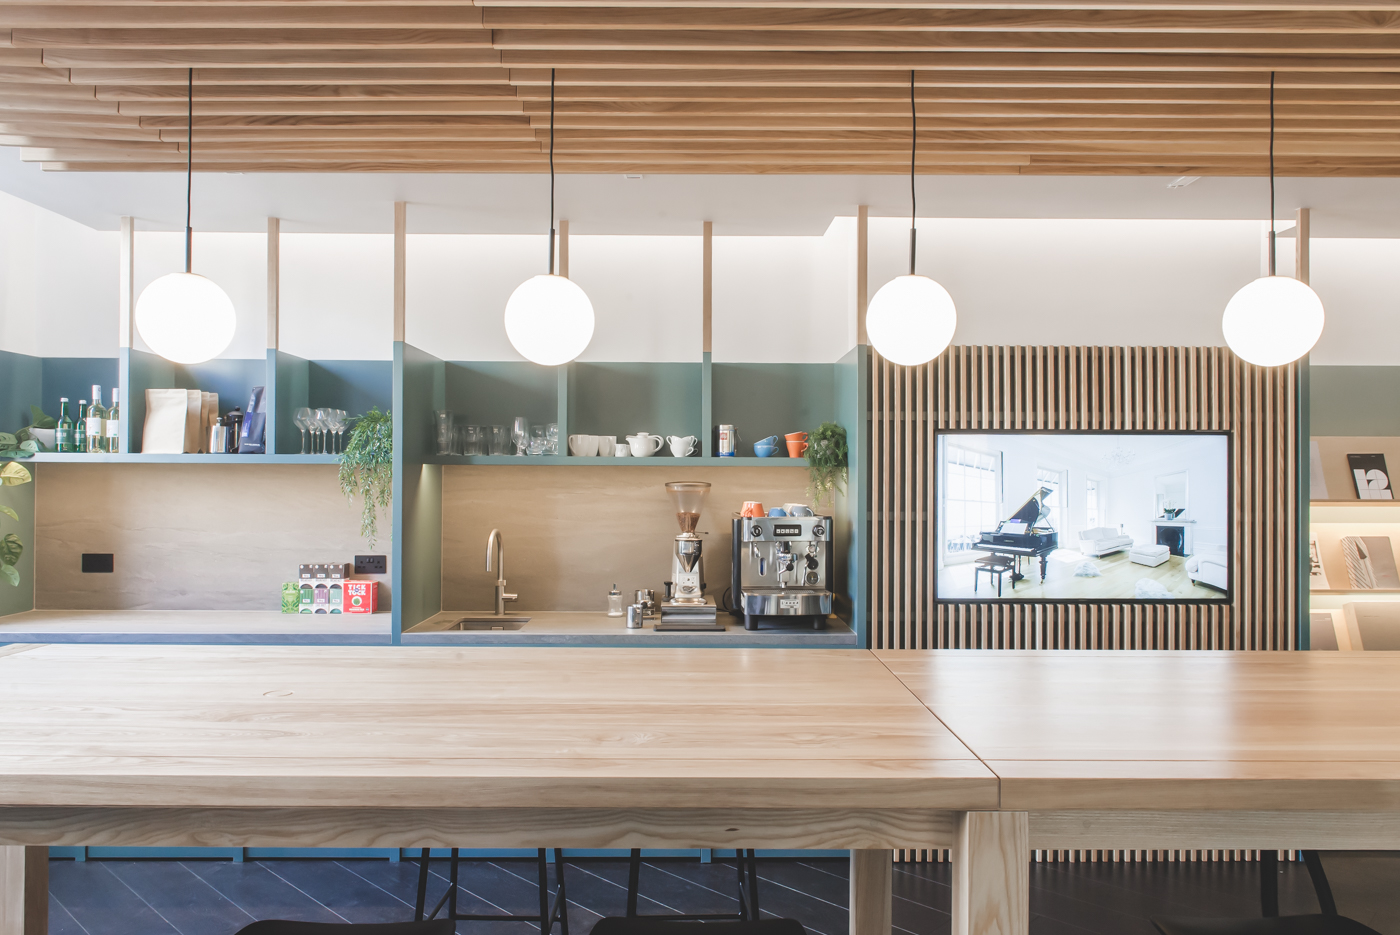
point(1025, 534)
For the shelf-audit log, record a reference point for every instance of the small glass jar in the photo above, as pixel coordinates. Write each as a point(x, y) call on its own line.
point(615, 602)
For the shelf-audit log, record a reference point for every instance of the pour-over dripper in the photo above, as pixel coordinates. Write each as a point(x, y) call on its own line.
point(689, 498)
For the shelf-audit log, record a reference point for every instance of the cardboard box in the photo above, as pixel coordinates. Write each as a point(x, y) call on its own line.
point(361, 597)
point(338, 571)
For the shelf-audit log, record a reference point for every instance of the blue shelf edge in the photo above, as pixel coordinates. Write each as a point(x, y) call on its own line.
point(655, 461)
point(55, 457)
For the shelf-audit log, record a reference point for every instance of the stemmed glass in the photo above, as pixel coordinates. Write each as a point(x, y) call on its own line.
point(323, 424)
point(302, 420)
point(342, 421)
point(520, 434)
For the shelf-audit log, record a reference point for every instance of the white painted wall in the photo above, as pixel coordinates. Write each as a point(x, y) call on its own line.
point(776, 297)
point(58, 284)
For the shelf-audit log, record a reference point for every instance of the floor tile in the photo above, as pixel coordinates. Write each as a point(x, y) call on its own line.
point(259, 892)
point(180, 897)
point(99, 902)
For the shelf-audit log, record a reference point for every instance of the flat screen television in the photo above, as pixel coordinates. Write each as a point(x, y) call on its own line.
point(1082, 516)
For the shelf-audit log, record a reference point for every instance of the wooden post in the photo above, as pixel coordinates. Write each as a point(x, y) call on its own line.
point(862, 270)
point(564, 248)
point(126, 282)
point(991, 874)
point(1302, 267)
point(400, 267)
point(274, 280)
point(24, 888)
point(707, 295)
point(872, 878)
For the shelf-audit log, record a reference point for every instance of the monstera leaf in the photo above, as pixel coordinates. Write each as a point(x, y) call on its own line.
point(12, 475)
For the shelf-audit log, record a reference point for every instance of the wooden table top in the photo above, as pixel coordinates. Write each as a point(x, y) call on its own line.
point(1165, 730)
point(272, 726)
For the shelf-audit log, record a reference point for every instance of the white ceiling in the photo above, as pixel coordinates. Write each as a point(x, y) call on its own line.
point(673, 204)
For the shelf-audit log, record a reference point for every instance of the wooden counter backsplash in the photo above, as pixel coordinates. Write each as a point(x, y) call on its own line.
point(570, 533)
point(189, 537)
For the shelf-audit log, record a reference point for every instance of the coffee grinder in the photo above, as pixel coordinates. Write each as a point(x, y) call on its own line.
point(687, 584)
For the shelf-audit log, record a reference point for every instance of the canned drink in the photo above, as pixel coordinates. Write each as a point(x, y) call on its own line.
point(727, 440)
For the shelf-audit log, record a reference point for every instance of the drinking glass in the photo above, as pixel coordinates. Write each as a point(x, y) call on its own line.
point(551, 437)
point(342, 422)
point(537, 440)
point(496, 439)
point(520, 434)
point(323, 423)
point(302, 420)
point(445, 438)
point(474, 438)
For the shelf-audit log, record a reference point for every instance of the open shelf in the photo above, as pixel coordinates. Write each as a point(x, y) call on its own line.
point(193, 626)
point(654, 461)
point(54, 457)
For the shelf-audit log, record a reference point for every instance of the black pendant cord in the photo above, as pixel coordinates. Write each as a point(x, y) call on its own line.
point(913, 155)
point(189, 176)
point(551, 172)
point(1272, 252)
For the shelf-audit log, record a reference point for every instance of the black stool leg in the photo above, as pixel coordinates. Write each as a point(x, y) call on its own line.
point(1268, 884)
point(634, 877)
point(452, 888)
point(546, 923)
point(753, 884)
point(422, 887)
point(739, 883)
point(561, 899)
point(1325, 902)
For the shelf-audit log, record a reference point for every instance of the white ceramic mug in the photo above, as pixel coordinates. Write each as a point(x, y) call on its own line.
point(607, 445)
point(583, 446)
point(622, 451)
point(682, 446)
point(644, 444)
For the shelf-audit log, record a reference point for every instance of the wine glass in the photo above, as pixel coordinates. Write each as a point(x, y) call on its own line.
point(302, 420)
point(323, 424)
point(339, 420)
point(520, 434)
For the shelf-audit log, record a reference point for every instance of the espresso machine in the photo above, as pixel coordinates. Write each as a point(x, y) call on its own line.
point(782, 571)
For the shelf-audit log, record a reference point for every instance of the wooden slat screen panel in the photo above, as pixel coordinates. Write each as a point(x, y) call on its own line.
point(1083, 389)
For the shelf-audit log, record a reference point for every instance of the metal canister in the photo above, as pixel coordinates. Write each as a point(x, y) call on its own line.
point(635, 616)
point(728, 438)
point(218, 437)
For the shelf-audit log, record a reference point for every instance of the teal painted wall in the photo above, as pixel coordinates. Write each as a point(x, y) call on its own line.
point(1354, 400)
point(20, 498)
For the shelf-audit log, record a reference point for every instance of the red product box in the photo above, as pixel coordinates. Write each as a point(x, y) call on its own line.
point(361, 597)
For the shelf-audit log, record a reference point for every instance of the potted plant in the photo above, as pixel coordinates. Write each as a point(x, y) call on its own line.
point(11, 548)
point(367, 468)
point(826, 461)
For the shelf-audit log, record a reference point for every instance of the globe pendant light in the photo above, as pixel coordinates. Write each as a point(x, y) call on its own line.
point(549, 319)
point(185, 317)
point(1275, 319)
point(912, 318)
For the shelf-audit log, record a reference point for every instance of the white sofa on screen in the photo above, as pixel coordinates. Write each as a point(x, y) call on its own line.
point(1101, 540)
point(1209, 565)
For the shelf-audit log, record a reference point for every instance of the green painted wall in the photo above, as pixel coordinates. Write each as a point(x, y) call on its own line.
point(1354, 400)
point(19, 498)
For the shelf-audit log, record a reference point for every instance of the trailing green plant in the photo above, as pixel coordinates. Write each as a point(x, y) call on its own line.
point(826, 461)
point(23, 444)
point(367, 468)
point(11, 548)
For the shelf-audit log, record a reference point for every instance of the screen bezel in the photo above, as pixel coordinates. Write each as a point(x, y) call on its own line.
point(1226, 599)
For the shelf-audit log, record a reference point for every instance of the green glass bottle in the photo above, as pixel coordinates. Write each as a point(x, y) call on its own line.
point(80, 427)
point(114, 425)
point(66, 437)
point(96, 424)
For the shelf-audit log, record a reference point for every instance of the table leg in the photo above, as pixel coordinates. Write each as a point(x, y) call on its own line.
point(24, 890)
point(991, 874)
point(872, 875)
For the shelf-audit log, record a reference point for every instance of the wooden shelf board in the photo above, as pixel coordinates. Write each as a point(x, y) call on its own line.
point(1355, 591)
point(1354, 502)
point(193, 626)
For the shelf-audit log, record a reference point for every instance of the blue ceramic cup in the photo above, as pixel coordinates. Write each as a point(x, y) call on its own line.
point(765, 447)
point(777, 511)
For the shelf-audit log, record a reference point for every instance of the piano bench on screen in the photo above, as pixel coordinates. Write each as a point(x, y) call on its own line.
point(997, 565)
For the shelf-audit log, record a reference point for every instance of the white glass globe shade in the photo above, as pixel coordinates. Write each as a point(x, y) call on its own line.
point(911, 320)
point(549, 320)
point(186, 318)
point(1273, 320)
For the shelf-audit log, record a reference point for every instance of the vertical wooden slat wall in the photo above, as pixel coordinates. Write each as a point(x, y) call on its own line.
point(1085, 389)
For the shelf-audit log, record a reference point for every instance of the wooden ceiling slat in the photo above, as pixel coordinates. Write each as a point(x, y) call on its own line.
point(899, 78)
point(239, 15)
point(297, 108)
point(311, 92)
point(205, 77)
point(368, 58)
point(268, 39)
point(314, 121)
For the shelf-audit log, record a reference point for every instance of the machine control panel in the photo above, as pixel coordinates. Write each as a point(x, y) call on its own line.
point(776, 528)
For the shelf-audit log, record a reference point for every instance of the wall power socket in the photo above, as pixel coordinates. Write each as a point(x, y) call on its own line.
point(371, 565)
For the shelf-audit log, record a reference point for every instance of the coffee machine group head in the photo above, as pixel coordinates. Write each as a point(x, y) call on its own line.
point(782, 571)
point(687, 569)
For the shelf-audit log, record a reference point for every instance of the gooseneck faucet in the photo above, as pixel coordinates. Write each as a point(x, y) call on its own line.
point(494, 540)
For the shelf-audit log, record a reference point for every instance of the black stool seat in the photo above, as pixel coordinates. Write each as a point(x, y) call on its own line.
point(642, 925)
point(1278, 925)
point(284, 927)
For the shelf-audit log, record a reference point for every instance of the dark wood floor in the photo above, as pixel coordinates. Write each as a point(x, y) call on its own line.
point(207, 897)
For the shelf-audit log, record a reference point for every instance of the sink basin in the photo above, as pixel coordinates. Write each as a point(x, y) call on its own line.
point(488, 622)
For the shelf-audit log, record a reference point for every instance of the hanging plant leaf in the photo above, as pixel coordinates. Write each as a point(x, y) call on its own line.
point(826, 461)
point(8, 441)
point(10, 549)
point(31, 444)
point(41, 421)
point(14, 474)
point(11, 574)
point(9, 512)
point(367, 468)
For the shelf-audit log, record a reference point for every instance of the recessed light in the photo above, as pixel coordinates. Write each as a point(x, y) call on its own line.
point(1183, 181)
point(629, 176)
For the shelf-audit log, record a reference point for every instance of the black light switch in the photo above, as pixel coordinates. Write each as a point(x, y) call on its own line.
point(97, 563)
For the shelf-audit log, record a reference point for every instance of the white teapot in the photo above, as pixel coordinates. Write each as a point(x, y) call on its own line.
point(644, 444)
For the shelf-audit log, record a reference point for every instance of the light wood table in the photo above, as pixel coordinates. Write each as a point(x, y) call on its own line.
point(479, 747)
point(1167, 750)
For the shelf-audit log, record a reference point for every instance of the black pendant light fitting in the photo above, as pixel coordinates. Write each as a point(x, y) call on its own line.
point(551, 172)
point(1271, 174)
point(189, 174)
point(913, 155)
